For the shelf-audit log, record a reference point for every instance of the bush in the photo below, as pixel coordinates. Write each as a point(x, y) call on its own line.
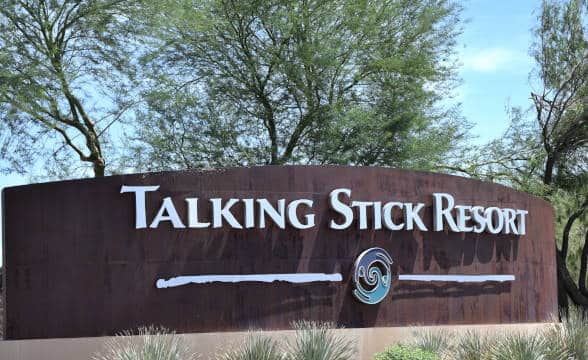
point(255, 347)
point(317, 341)
point(517, 347)
point(432, 340)
point(570, 337)
point(471, 346)
point(153, 344)
point(406, 352)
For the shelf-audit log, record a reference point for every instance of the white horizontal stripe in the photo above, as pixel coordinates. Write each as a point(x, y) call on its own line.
point(457, 278)
point(296, 278)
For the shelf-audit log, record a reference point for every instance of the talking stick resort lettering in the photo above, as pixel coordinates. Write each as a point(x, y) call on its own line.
point(492, 219)
point(232, 249)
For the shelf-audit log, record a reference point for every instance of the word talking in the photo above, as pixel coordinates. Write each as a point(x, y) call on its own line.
point(366, 214)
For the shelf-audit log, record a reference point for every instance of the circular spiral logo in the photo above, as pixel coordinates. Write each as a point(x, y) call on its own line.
point(372, 276)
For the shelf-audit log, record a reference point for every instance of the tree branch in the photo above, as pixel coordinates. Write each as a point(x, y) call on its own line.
point(566, 231)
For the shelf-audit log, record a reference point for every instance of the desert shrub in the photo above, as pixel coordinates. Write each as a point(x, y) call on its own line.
point(152, 344)
point(317, 341)
point(471, 346)
point(406, 352)
point(255, 347)
point(432, 340)
point(570, 337)
point(517, 346)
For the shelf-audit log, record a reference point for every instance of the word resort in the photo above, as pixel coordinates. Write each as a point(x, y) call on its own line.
point(457, 218)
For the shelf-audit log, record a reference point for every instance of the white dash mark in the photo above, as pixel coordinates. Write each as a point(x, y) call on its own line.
point(296, 278)
point(458, 278)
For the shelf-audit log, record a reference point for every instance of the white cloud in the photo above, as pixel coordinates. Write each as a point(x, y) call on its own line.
point(494, 59)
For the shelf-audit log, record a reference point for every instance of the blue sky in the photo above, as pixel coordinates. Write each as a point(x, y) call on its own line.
point(494, 53)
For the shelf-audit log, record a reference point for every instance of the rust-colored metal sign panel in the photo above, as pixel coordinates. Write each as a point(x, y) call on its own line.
point(260, 247)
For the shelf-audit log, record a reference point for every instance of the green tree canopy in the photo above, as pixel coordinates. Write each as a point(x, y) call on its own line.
point(274, 82)
point(62, 71)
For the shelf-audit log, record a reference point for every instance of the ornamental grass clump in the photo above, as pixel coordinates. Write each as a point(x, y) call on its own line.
point(517, 346)
point(150, 343)
point(255, 347)
point(471, 346)
point(570, 337)
point(318, 341)
point(432, 340)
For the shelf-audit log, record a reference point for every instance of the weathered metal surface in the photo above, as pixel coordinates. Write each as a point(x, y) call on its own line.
point(76, 266)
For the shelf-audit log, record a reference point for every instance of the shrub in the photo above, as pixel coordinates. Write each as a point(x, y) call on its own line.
point(153, 344)
point(406, 352)
point(317, 341)
point(471, 346)
point(432, 340)
point(570, 337)
point(517, 346)
point(255, 347)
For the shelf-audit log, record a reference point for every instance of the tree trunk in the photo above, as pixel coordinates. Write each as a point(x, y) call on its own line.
point(567, 284)
point(99, 168)
point(549, 164)
point(562, 296)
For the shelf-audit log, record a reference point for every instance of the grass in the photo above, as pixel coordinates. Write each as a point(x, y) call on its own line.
point(571, 336)
point(516, 347)
point(153, 343)
point(432, 340)
point(317, 341)
point(311, 341)
point(565, 340)
point(471, 346)
point(254, 347)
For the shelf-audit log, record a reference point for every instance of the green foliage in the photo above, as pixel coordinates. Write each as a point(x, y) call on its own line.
point(255, 347)
point(560, 341)
point(516, 347)
point(566, 203)
point(471, 346)
point(569, 337)
point(224, 83)
point(312, 341)
point(432, 340)
point(555, 342)
point(313, 82)
point(317, 341)
point(153, 344)
point(406, 352)
point(560, 42)
point(65, 76)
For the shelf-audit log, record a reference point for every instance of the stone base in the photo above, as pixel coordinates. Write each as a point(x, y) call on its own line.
point(369, 341)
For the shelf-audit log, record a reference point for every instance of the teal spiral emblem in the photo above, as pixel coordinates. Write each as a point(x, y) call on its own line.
point(372, 276)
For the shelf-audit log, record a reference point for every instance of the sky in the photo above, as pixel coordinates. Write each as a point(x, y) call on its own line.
point(494, 52)
point(495, 63)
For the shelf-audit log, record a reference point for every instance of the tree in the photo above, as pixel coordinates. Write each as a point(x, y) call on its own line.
point(548, 154)
point(276, 82)
point(61, 84)
point(562, 114)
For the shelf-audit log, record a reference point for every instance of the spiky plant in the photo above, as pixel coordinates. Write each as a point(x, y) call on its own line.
point(255, 347)
point(471, 346)
point(517, 346)
point(150, 343)
point(318, 341)
point(570, 337)
point(434, 341)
